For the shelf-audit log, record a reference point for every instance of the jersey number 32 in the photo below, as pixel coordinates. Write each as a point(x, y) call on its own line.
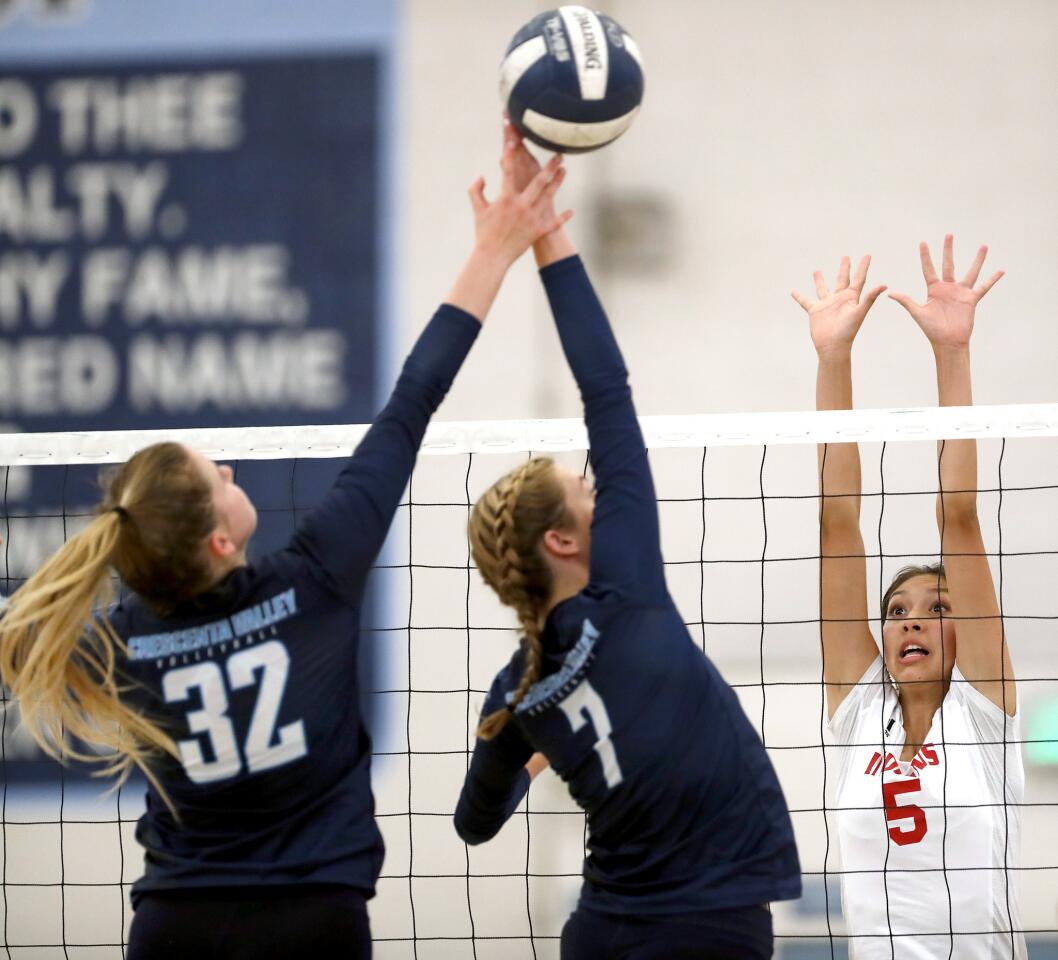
point(265, 747)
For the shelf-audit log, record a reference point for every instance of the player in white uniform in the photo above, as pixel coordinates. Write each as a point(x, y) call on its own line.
point(930, 780)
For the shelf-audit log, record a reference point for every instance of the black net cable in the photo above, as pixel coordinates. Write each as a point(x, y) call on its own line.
point(763, 597)
point(3, 729)
point(62, 769)
point(1003, 680)
point(823, 709)
point(944, 739)
point(407, 725)
point(470, 714)
point(882, 717)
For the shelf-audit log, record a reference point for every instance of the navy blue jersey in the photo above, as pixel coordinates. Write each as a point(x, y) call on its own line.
point(684, 809)
point(257, 680)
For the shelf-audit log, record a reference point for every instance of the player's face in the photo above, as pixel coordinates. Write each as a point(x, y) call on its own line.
point(580, 504)
point(919, 636)
point(235, 514)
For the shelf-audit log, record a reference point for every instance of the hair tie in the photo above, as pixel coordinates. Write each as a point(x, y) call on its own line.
point(120, 511)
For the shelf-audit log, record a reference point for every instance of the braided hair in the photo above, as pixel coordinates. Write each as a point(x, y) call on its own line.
point(505, 530)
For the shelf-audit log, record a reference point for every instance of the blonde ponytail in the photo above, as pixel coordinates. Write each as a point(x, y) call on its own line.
point(58, 657)
point(58, 649)
point(505, 530)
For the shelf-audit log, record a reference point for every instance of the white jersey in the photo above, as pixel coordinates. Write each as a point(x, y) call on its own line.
point(924, 842)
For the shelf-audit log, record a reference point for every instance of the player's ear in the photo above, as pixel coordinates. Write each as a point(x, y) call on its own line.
point(559, 544)
point(219, 544)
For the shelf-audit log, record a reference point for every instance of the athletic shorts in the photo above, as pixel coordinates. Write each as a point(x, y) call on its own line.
point(251, 923)
point(743, 933)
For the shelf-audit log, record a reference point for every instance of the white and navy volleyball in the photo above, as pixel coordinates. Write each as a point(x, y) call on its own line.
point(572, 80)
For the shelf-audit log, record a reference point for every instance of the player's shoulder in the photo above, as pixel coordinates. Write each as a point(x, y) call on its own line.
point(507, 679)
point(862, 702)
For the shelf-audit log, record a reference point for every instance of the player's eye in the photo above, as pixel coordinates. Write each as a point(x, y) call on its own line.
point(896, 610)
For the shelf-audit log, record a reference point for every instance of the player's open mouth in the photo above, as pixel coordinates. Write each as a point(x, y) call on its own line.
point(911, 652)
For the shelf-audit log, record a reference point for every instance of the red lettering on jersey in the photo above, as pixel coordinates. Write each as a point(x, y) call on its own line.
point(927, 756)
point(891, 763)
point(898, 813)
point(875, 765)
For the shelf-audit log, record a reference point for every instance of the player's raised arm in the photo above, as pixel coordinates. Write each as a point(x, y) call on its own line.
point(947, 320)
point(345, 533)
point(848, 647)
point(626, 546)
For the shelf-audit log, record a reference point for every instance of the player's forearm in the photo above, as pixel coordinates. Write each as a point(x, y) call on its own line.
point(368, 490)
point(839, 463)
point(475, 289)
point(484, 808)
point(555, 246)
point(957, 498)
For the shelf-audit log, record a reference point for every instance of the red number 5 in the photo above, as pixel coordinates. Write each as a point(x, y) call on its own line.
point(891, 789)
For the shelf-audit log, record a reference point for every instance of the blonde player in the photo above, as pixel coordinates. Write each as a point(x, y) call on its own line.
point(930, 785)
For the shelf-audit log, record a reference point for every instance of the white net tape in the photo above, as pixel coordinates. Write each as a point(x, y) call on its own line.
point(513, 436)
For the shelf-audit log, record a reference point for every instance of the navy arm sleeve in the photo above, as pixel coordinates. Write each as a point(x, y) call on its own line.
point(344, 534)
point(626, 544)
point(496, 781)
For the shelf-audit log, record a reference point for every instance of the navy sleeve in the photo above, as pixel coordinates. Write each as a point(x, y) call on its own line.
point(495, 783)
point(625, 540)
point(344, 534)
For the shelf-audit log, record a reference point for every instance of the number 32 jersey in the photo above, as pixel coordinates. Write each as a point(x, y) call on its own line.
point(929, 846)
point(257, 680)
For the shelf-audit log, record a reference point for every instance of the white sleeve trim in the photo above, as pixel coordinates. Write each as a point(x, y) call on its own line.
point(855, 698)
point(977, 701)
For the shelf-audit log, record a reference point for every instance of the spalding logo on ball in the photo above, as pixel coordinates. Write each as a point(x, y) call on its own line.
point(572, 80)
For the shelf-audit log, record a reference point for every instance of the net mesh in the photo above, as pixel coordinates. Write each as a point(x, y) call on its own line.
point(738, 503)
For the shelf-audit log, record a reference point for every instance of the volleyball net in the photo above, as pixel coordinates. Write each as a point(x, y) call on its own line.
point(739, 506)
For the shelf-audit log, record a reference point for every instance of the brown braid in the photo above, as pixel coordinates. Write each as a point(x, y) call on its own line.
point(505, 530)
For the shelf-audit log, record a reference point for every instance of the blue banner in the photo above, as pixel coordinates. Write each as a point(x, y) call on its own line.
point(193, 232)
point(189, 244)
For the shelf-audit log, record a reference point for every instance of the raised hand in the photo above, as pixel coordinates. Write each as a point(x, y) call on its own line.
point(516, 157)
point(835, 318)
point(947, 316)
point(524, 211)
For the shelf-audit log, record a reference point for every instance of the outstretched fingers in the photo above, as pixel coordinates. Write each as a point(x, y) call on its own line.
point(843, 274)
point(552, 187)
point(540, 182)
point(929, 272)
point(560, 220)
point(802, 300)
point(911, 306)
point(477, 196)
point(860, 277)
point(508, 164)
point(872, 295)
point(948, 261)
point(975, 268)
point(821, 285)
point(988, 284)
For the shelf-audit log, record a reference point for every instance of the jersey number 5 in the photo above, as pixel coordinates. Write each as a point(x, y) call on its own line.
point(585, 704)
point(896, 812)
point(273, 661)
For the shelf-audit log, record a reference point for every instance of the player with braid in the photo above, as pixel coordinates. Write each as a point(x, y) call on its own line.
point(929, 781)
point(233, 685)
point(689, 835)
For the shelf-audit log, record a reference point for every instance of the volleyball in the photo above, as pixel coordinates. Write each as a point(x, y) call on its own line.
point(572, 80)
